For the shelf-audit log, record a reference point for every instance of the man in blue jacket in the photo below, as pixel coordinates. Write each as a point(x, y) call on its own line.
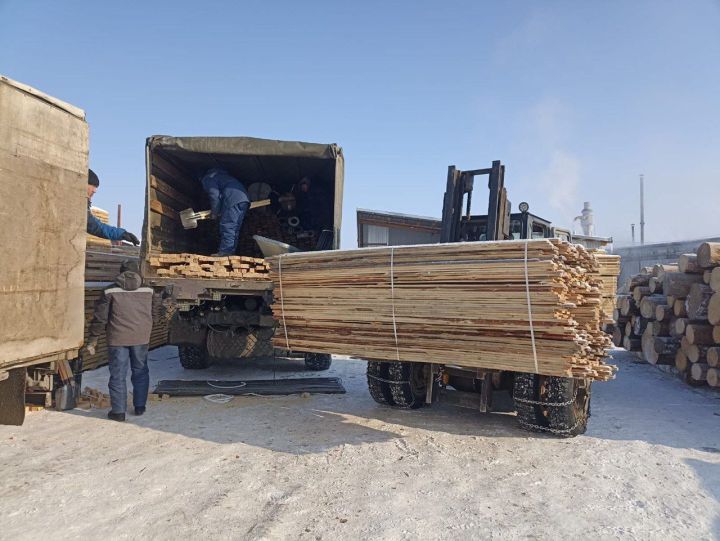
point(95, 226)
point(229, 201)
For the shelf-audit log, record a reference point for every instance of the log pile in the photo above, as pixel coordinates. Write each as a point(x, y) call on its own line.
point(465, 304)
point(671, 314)
point(201, 266)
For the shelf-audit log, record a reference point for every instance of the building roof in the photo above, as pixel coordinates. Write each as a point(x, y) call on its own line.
point(397, 219)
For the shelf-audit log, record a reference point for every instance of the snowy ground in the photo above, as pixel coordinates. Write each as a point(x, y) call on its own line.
point(342, 467)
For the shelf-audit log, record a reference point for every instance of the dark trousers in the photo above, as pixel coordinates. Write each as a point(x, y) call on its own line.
point(122, 358)
point(231, 220)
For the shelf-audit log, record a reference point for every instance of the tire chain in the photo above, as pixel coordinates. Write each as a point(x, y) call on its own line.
point(558, 431)
point(541, 403)
point(387, 380)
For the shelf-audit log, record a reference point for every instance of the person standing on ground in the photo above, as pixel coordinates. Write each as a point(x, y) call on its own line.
point(125, 314)
point(229, 202)
point(95, 226)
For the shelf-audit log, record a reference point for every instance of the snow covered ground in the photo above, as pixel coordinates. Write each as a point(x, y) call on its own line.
point(342, 467)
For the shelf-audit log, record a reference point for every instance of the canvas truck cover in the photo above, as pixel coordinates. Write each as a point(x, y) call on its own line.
point(43, 205)
point(173, 164)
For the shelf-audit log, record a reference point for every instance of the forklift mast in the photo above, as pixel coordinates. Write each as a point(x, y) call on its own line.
point(459, 226)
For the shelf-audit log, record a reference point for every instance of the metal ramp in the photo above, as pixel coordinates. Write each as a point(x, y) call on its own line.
point(263, 387)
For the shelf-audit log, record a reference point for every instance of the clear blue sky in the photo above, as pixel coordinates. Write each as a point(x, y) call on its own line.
point(576, 98)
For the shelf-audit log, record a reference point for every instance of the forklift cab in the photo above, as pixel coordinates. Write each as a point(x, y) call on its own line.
point(523, 225)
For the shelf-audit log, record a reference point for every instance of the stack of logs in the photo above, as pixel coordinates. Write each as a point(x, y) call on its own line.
point(671, 313)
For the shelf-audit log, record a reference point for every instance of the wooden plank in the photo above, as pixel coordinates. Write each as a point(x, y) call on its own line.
point(164, 187)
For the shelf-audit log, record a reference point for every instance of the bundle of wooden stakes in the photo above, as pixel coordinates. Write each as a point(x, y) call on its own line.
point(205, 266)
point(608, 269)
point(530, 306)
point(671, 313)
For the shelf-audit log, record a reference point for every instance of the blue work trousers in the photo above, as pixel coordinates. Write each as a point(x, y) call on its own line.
point(231, 220)
point(122, 358)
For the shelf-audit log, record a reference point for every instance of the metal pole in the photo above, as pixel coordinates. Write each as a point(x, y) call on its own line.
point(642, 210)
point(119, 216)
point(632, 229)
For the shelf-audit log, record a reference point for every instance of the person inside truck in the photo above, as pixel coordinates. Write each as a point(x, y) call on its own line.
point(95, 226)
point(229, 202)
point(312, 208)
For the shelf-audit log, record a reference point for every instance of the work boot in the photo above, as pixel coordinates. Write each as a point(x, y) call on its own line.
point(119, 417)
point(139, 411)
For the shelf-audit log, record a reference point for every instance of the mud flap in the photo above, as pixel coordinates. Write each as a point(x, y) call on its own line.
point(12, 397)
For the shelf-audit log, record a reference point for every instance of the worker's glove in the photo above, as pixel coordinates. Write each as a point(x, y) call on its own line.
point(130, 238)
point(90, 347)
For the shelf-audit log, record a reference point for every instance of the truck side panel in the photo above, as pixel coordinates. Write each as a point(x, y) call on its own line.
point(43, 200)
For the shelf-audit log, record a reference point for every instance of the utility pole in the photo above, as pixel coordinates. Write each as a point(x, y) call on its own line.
point(642, 210)
point(119, 215)
point(632, 229)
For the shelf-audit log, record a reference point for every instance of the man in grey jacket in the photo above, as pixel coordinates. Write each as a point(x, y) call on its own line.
point(125, 313)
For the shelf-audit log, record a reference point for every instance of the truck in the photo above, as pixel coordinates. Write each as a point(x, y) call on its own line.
point(43, 203)
point(230, 318)
point(550, 404)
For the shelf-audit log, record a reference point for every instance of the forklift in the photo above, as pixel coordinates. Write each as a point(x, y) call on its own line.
point(550, 404)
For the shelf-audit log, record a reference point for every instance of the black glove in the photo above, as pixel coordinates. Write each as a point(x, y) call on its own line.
point(130, 238)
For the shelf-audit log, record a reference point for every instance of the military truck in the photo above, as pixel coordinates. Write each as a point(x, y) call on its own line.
point(231, 318)
point(43, 202)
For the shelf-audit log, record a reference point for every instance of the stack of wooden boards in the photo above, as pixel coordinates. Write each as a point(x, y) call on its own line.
point(97, 242)
point(464, 304)
point(607, 272)
point(671, 313)
point(104, 266)
point(202, 266)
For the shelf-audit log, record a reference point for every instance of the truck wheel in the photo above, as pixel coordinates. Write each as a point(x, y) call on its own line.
point(12, 397)
point(378, 383)
point(409, 386)
point(194, 357)
point(557, 405)
point(317, 361)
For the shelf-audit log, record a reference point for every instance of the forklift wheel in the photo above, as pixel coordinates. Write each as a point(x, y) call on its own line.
point(553, 404)
point(194, 357)
point(409, 391)
point(317, 361)
point(377, 380)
